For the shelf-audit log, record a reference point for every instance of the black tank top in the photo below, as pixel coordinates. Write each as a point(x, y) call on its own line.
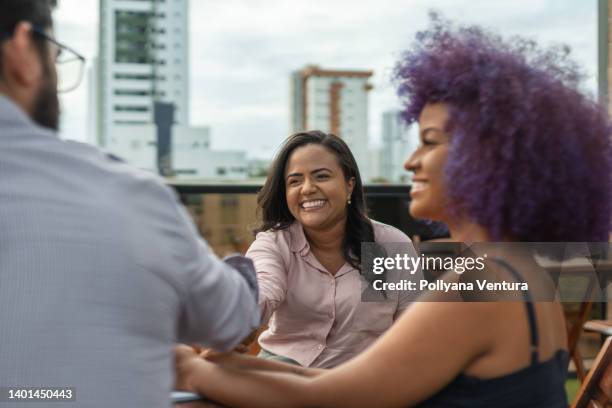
point(539, 385)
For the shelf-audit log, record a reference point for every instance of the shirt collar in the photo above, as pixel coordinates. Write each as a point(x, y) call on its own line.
point(299, 243)
point(12, 114)
point(9, 111)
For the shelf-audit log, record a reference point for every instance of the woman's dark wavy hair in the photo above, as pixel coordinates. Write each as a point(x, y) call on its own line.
point(272, 201)
point(530, 156)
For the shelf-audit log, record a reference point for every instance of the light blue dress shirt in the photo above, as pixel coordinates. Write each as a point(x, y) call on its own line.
point(101, 272)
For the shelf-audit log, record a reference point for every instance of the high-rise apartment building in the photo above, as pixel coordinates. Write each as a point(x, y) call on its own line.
point(143, 58)
point(397, 144)
point(333, 101)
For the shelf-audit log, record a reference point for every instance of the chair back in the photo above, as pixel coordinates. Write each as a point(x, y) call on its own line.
point(596, 389)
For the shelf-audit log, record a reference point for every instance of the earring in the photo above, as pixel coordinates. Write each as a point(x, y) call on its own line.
point(348, 200)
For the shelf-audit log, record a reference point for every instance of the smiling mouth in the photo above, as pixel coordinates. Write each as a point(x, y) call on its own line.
point(418, 186)
point(313, 205)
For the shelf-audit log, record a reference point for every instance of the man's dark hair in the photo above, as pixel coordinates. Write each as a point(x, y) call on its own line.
point(36, 12)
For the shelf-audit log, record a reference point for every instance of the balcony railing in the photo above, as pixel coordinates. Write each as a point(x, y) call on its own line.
point(226, 214)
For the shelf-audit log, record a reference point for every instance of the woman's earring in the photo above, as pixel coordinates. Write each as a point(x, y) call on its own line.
point(348, 200)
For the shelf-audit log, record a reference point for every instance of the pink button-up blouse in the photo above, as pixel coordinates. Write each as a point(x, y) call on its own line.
point(314, 317)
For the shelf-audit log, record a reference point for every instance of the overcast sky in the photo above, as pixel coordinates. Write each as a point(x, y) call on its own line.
point(242, 52)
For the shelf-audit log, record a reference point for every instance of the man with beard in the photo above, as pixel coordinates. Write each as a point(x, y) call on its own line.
point(101, 270)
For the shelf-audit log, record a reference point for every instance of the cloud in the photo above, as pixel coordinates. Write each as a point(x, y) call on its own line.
point(242, 51)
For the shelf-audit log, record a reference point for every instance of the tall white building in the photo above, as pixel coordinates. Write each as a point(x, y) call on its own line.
point(333, 101)
point(398, 144)
point(143, 58)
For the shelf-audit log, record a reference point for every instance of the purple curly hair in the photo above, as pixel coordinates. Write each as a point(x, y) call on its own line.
point(530, 156)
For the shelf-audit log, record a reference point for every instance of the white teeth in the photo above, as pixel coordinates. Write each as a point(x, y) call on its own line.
point(313, 204)
point(419, 185)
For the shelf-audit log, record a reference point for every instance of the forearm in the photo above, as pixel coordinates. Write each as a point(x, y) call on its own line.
point(219, 305)
point(248, 388)
point(253, 363)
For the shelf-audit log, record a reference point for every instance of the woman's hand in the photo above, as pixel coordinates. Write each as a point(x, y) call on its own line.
point(214, 356)
point(185, 360)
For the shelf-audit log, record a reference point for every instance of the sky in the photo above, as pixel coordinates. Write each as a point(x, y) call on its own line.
point(242, 52)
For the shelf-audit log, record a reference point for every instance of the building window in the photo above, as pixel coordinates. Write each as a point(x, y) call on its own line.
point(133, 76)
point(229, 201)
point(132, 37)
point(132, 92)
point(221, 171)
point(130, 122)
point(127, 108)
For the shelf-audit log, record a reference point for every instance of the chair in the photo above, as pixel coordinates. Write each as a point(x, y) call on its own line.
point(603, 327)
point(575, 323)
point(596, 389)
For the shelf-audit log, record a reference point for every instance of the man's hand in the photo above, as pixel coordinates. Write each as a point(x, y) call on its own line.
point(185, 358)
point(245, 344)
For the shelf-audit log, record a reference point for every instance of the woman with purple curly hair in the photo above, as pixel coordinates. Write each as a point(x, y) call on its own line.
point(510, 151)
point(529, 156)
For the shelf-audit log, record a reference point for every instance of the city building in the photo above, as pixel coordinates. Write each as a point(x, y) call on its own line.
point(333, 101)
point(143, 63)
point(226, 221)
point(143, 58)
point(192, 157)
point(397, 144)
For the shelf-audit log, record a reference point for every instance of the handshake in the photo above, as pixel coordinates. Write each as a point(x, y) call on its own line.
point(244, 347)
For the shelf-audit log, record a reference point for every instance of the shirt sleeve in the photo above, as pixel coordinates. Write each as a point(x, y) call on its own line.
point(266, 253)
point(220, 301)
point(216, 306)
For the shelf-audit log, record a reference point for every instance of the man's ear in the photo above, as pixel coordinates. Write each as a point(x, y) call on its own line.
point(21, 58)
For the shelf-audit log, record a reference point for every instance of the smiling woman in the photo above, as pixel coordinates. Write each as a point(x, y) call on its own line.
point(427, 163)
point(316, 189)
point(308, 256)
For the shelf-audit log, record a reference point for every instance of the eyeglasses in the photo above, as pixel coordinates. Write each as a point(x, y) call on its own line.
point(69, 63)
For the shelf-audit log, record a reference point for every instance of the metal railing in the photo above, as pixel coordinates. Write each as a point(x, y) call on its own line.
point(226, 214)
